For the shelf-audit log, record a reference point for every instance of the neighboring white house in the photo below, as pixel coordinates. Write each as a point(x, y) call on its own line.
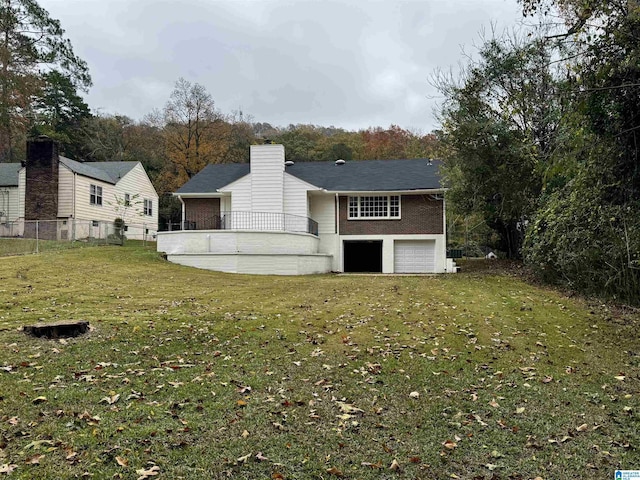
point(11, 205)
point(276, 217)
point(79, 197)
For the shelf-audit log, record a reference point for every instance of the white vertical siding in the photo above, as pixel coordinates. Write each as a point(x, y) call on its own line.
point(267, 178)
point(65, 191)
point(295, 196)
point(322, 209)
point(240, 201)
point(240, 194)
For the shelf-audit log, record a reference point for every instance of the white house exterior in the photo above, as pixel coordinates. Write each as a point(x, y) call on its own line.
point(11, 198)
point(272, 217)
point(78, 197)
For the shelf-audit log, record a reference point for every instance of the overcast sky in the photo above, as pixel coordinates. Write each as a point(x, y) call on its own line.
point(351, 64)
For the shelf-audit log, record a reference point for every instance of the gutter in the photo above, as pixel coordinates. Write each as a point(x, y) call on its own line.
point(388, 192)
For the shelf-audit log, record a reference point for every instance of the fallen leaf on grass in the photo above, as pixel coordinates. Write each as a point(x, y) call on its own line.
point(450, 444)
point(123, 462)
point(348, 408)
point(261, 458)
point(39, 400)
point(335, 471)
point(494, 404)
point(519, 410)
point(7, 468)
point(244, 458)
point(245, 434)
point(582, 427)
point(620, 377)
point(38, 444)
point(35, 460)
point(110, 399)
point(414, 395)
point(395, 466)
point(151, 472)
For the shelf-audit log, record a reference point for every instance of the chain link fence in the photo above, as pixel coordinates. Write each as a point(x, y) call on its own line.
point(35, 236)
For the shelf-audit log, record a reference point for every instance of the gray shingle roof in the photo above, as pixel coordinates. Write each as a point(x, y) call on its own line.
point(213, 177)
point(109, 172)
point(370, 175)
point(353, 176)
point(9, 174)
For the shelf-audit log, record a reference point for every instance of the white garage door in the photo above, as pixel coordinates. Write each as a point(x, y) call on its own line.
point(415, 256)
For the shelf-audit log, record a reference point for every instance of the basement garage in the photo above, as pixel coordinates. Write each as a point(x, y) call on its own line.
point(414, 256)
point(363, 256)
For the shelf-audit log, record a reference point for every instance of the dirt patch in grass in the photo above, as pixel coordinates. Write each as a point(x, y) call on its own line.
point(196, 374)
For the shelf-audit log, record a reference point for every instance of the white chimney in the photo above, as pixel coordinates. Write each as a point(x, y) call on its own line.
point(267, 178)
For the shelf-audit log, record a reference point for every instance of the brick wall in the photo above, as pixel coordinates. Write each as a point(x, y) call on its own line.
point(419, 215)
point(41, 192)
point(205, 212)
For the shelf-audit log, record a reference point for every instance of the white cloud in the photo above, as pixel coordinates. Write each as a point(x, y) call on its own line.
point(350, 63)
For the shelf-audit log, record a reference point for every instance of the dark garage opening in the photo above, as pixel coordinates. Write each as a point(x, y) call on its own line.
point(363, 256)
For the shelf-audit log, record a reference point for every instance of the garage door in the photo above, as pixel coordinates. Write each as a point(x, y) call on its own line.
point(414, 256)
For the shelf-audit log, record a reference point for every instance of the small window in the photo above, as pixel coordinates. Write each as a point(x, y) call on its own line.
point(95, 223)
point(148, 207)
point(374, 207)
point(127, 200)
point(95, 195)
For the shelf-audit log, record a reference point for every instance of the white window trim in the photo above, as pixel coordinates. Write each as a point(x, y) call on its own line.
point(148, 211)
point(94, 188)
point(384, 217)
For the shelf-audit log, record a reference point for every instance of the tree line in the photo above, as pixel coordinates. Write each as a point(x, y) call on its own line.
point(541, 140)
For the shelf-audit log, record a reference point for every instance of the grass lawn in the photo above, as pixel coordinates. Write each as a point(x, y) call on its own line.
point(195, 374)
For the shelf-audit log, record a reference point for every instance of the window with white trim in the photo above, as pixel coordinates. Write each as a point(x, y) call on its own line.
point(374, 207)
point(95, 195)
point(148, 207)
point(127, 200)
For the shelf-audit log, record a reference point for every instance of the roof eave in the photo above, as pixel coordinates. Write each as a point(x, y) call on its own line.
point(389, 192)
point(200, 194)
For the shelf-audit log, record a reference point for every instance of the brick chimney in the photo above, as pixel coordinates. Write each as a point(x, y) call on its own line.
point(41, 184)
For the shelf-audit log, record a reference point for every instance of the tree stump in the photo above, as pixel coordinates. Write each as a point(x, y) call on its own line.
point(57, 330)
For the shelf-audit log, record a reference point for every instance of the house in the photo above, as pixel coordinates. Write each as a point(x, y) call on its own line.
point(74, 200)
point(275, 217)
point(11, 205)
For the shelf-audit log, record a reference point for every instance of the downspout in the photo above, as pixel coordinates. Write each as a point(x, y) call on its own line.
point(184, 210)
point(5, 204)
point(338, 242)
point(73, 208)
point(444, 229)
point(73, 198)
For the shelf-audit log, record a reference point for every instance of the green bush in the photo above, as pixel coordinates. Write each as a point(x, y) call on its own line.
point(581, 240)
